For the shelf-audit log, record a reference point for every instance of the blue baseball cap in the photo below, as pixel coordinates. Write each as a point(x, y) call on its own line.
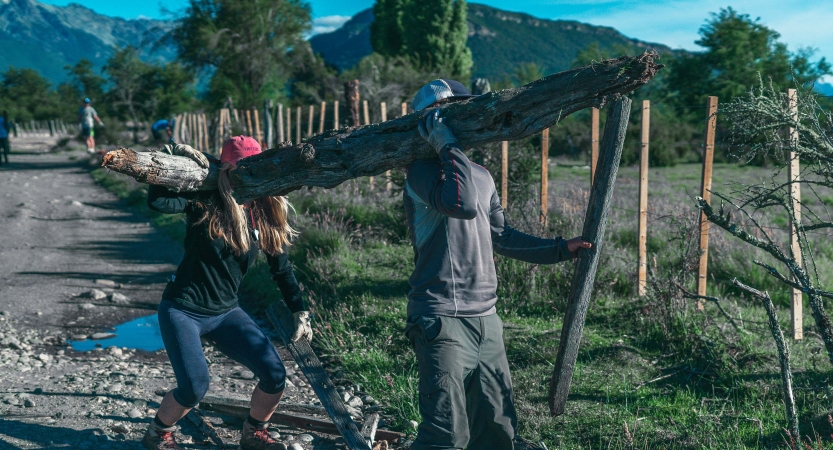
point(86, 100)
point(437, 90)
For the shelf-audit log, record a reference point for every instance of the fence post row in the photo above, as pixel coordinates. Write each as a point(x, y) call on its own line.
point(705, 192)
point(642, 276)
point(793, 172)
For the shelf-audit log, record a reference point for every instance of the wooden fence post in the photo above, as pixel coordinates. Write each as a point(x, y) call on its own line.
point(642, 275)
point(251, 130)
point(504, 174)
point(311, 117)
point(351, 96)
point(281, 135)
point(205, 132)
point(298, 113)
point(268, 129)
point(594, 142)
point(200, 134)
point(258, 135)
point(794, 174)
point(705, 192)
point(335, 115)
point(384, 110)
point(177, 127)
point(371, 180)
point(288, 123)
point(322, 117)
point(404, 109)
point(545, 173)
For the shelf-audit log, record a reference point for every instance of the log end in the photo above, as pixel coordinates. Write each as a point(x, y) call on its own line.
point(118, 158)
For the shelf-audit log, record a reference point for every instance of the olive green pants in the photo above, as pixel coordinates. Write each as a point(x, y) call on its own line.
point(465, 392)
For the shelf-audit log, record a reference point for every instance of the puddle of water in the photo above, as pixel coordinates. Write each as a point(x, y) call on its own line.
point(141, 334)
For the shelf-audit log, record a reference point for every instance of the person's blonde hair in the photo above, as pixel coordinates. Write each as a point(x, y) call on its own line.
point(229, 221)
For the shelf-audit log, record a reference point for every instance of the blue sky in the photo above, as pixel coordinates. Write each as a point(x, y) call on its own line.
point(670, 22)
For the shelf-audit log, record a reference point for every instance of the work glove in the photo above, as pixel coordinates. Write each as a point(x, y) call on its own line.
point(188, 152)
point(434, 130)
point(303, 326)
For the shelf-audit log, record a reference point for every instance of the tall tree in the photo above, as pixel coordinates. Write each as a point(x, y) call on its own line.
point(737, 50)
point(386, 30)
point(131, 84)
point(86, 82)
point(27, 95)
point(246, 42)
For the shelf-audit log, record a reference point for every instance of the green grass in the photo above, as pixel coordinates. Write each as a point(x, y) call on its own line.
point(721, 389)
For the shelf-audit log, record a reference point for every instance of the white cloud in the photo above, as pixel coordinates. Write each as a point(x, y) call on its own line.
point(327, 24)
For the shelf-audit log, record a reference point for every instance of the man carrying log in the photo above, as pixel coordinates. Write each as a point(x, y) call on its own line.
point(456, 225)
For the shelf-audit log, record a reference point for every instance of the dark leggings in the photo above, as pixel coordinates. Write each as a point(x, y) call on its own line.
point(233, 333)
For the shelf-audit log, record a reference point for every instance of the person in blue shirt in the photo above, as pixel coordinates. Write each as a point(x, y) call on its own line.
point(162, 132)
point(5, 127)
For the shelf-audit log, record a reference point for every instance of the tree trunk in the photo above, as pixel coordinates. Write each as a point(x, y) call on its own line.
point(595, 221)
point(351, 98)
point(335, 156)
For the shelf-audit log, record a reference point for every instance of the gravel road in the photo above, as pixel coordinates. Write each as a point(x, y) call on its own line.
point(63, 236)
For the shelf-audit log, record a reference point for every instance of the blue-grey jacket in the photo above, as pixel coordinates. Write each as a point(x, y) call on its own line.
point(456, 223)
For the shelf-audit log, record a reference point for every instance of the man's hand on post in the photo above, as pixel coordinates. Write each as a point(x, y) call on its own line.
point(303, 326)
point(576, 243)
point(434, 130)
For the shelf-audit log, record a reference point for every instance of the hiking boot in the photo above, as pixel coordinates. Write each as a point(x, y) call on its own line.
point(158, 438)
point(258, 439)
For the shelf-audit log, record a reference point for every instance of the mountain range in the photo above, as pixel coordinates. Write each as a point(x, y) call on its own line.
point(499, 40)
point(47, 38)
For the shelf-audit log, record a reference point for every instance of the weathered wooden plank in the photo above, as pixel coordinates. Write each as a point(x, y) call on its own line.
point(369, 428)
point(329, 159)
point(595, 221)
point(211, 401)
point(317, 377)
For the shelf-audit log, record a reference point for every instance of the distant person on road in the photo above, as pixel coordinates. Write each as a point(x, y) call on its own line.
point(5, 128)
point(222, 241)
point(456, 226)
point(162, 131)
point(88, 117)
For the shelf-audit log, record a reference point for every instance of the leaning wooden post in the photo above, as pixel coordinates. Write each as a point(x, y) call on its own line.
point(705, 192)
point(794, 174)
point(545, 172)
point(268, 129)
point(335, 115)
point(322, 117)
point(351, 96)
point(311, 117)
point(584, 275)
point(642, 275)
point(371, 180)
point(594, 141)
point(384, 109)
point(298, 112)
point(281, 135)
point(504, 174)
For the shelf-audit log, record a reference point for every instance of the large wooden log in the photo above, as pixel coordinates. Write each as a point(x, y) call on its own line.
point(329, 159)
point(595, 221)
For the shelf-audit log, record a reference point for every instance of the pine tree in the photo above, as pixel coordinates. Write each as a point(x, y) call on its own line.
point(386, 30)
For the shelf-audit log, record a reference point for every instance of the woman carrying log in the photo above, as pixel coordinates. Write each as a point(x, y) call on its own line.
point(221, 242)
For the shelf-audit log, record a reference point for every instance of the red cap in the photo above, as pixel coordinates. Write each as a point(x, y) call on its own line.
point(239, 147)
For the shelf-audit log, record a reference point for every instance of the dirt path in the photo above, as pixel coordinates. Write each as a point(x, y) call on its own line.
point(63, 235)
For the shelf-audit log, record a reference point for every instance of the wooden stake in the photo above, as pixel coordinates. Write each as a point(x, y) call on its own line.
point(204, 132)
point(258, 135)
point(594, 141)
point(288, 123)
point(794, 174)
point(404, 109)
point(595, 221)
point(268, 129)
point(311, 116)
point(335, 115)
point(705, 192)
point(281, 135)
point(366, 113)
point(545, 173)
point(249, 128)
point(504, 174)
point(351, 96)
point(298, 125)
point(178, 128)
point(642, 276)
point(322, 117)
point(384, 109)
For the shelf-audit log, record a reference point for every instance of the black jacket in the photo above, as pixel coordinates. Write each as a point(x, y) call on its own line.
point(209, 275)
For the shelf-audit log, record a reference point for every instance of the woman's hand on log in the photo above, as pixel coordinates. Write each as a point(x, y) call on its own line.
point(576, 243)
point(188, 152)
point(303, 326)
point(434, 130)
